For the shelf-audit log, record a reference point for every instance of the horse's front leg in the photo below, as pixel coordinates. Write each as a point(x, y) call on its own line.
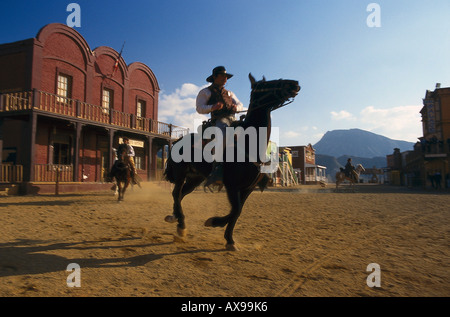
point(353, 186)
point(119, 191)
point(237, 200)
point(236, 208)
point(125, 186)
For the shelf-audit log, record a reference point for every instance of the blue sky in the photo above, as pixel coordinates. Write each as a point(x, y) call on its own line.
point(352, 75)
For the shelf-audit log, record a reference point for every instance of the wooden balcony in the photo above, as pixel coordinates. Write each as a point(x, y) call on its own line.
point(71, 108)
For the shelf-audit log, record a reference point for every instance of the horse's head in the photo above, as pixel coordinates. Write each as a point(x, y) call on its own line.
point(272, 94)
point(122, 156)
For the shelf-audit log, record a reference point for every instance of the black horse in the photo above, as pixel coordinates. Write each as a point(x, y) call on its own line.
point(240, 178)
point(122, 174)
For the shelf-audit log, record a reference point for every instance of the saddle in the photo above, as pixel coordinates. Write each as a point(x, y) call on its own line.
point(350, 174)
point(212, 123)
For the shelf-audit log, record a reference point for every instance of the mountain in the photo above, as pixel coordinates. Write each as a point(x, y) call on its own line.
point(358, 143)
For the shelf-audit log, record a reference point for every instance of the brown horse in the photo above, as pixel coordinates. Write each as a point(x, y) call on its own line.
point(122, 174)
point(341, 177)
point(239, 177)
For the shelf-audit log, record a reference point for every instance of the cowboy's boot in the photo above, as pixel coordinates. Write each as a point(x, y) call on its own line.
point(135, 179)
point(216, 175)
point(133, 174)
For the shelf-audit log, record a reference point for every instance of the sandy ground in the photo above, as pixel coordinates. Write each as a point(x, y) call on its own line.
point(293, 243)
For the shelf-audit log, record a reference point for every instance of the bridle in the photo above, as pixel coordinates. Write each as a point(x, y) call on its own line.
point(279, 92)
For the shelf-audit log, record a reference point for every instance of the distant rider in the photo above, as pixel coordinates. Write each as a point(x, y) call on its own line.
point(350, 169)
point(129, 157)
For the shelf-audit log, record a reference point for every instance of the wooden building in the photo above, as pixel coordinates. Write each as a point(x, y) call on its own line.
point(64, 107)
point(304, 164)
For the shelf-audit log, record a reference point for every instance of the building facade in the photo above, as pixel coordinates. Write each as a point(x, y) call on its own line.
point(304, 165)
point(427, 165)
point(65, 107)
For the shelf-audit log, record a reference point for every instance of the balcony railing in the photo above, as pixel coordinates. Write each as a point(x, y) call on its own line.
point(55, 104)
point(53, 173)
point(11, 173)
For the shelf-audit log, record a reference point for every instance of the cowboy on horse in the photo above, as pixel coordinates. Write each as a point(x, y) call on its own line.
point(125, 153)
point(222, 104)
point(239, 177)
point(349, 170)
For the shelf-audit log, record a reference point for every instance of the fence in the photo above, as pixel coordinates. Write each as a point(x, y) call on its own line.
point(52, 172)
point(11, 173)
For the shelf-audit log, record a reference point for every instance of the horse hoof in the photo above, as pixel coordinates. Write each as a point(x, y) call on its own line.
point(231, 247)
point(181, 232)
point(209, 222)
point(178, 239)
point(170, 219)
point(180, 236)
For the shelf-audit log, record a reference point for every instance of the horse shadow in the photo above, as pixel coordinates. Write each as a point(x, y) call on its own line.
point(30, 257)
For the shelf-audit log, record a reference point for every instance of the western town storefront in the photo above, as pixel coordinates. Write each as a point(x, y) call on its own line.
point(64, 108)
point(304, 164)
point(427, 165)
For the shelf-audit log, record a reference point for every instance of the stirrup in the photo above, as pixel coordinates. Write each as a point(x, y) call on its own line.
point(215, 178)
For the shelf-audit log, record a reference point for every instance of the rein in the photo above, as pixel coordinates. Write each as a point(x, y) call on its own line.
point(281, 99)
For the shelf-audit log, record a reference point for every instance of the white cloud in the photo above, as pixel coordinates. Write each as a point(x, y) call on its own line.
point(342, 115)
point(178, 107)
point(291, 134)
point(401, 122)
point(302, 136)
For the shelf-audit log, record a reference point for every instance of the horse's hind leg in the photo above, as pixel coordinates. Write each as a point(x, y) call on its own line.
point(119, 191)
point(181, 189)
point(177, 215)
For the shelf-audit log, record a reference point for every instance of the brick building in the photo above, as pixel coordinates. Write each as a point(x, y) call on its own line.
point(64, 107)
point(428, 163)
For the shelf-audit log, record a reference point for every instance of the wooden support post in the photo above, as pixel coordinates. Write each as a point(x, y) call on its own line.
point(58, 173)
point(76, 151)
point(149, 157)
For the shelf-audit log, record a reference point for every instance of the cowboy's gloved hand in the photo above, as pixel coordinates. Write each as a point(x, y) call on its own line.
point(217, 106)
point(232, 107)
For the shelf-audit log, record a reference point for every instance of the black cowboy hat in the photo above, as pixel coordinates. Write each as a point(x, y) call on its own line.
point(216, 71)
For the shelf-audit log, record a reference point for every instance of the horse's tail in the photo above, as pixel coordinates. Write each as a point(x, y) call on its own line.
point(168, 172)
